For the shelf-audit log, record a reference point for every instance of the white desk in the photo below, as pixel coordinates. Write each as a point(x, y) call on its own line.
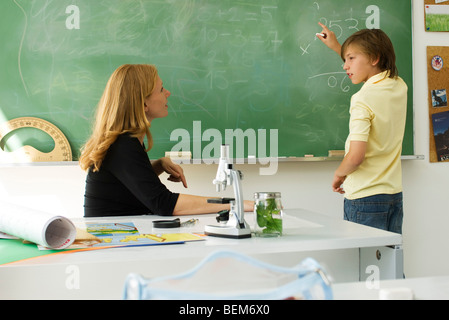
point(343, 248)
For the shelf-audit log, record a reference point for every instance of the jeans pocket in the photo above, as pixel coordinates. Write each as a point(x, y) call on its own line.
point(373, 219)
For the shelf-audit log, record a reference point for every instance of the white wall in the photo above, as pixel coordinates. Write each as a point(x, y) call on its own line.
point(425, 184)
point(302, 184)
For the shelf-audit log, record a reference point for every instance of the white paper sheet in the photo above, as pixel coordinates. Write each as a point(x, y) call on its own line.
point(48, 230)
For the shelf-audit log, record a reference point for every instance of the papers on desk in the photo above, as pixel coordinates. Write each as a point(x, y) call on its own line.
point(51, 232)
point(104, 235)
point(55, 232)
point(7, 236)
point(110, 234)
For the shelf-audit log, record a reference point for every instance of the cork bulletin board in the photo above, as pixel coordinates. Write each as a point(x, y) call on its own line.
point(438, 86)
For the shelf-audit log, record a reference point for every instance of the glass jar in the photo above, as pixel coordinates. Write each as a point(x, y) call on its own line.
point(267, 214)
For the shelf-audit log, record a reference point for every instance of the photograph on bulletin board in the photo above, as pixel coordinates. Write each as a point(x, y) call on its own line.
point(436, 15)
point(439, 98)
point(440, 123)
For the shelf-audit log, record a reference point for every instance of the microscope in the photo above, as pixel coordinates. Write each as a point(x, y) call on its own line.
point(232, 223)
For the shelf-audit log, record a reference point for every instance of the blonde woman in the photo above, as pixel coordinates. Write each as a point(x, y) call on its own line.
point(121, 179)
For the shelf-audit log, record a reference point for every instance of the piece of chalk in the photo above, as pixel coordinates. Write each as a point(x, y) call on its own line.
point(184, 155)
point(322, 34)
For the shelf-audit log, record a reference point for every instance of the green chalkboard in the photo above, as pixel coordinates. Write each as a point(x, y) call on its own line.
point(236, 69)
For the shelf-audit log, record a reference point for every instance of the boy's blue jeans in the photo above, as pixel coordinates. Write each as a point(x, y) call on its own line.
point(382, 211)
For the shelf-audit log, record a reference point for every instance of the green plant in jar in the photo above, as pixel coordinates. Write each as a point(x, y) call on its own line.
point(269, 216)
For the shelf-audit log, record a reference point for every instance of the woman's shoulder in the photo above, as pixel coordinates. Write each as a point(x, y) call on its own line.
point(126, 142)
point(126, 138)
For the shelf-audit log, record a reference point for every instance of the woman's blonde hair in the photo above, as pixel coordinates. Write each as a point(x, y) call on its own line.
point(120, 110)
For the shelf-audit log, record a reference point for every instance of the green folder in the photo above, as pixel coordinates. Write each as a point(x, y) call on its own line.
point(12, 250)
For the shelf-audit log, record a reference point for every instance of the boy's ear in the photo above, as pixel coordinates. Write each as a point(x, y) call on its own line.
point(374, 62)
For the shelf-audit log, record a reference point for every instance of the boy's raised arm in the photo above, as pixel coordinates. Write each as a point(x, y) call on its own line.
point(330, 39)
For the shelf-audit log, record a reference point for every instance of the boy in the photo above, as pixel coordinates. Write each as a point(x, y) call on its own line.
point(371, 169)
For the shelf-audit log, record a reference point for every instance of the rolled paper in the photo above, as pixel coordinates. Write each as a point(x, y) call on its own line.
point(46, 229)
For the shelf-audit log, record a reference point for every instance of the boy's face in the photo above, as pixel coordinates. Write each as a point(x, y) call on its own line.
point(358, 65)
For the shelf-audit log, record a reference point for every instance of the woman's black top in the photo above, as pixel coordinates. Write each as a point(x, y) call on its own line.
point(126, 184)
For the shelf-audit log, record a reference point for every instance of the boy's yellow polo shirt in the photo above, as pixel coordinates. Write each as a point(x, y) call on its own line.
point(377, 116)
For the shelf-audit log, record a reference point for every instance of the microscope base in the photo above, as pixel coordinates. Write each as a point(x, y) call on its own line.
point(227, 232)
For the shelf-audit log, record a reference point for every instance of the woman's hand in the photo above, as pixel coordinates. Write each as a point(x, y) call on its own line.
point(175, 172)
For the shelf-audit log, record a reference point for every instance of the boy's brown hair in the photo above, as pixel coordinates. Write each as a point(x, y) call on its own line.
point(377, 45)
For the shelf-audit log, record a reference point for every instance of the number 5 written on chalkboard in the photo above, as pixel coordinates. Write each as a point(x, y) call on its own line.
point(371, 22)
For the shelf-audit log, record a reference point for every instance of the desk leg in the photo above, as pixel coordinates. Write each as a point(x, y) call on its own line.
point(381, 263)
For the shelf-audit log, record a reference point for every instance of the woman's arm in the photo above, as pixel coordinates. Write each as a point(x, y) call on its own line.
point(191, 204)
